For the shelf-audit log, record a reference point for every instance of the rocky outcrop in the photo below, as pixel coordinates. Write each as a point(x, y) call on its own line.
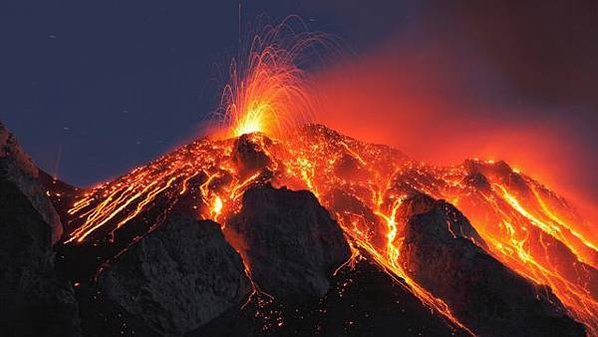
point(18, 168)
point(33, 300)
point(439, 253)
point(178, 277)
point(456, 224)
point(364, 301)
point(289, 241)
point(248, 154)
point(345, 203)
point(62, 196)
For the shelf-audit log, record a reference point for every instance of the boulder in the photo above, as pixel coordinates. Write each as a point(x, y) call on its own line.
point(439, 253)
point(34, 301)
point(249, 155)
point(290, 242)
point(178, 277)
point(17, 167)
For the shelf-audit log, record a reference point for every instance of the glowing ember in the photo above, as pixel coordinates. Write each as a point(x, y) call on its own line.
point(267, 91)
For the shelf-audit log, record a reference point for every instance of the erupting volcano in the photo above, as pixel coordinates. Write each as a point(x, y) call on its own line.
point(485, 248)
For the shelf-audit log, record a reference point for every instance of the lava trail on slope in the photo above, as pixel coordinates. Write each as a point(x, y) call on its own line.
point(520, 222)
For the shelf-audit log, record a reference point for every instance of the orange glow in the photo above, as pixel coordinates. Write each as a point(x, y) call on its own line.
point(527, 227)
point(425, 101)
point(217, 207)
point(267, 91)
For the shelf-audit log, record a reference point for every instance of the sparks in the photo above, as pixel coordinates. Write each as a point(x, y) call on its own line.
point(267, 91)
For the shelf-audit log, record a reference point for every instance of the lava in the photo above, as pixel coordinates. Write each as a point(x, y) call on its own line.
point(526, 226)
point(267, 91)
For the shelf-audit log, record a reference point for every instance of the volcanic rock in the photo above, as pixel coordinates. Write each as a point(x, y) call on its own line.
point(500, 171)
point(17, 167)
point(248, 154)
point(545, 248)
point(439, 253)
point(457, 224)
point(178, 277)
point(289, 241)
point(62, 196)
point(348, 167)
point(478, 181)
point(364, 301)
point(370, 223)
point(33, 300)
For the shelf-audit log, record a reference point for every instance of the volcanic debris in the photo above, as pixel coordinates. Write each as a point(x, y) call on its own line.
point(178, 277)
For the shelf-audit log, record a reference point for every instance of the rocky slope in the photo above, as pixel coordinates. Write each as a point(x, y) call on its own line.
point(35, 301)
point(184, 271)
point(316, 235)
point(290, 243)
point(442, 251)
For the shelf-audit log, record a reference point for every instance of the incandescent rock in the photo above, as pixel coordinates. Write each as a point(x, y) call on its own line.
point(439, 253)
point(178, 277)
point(289, 241)
point(33, 300)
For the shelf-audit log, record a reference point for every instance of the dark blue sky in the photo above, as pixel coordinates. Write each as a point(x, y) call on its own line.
point(93, 88)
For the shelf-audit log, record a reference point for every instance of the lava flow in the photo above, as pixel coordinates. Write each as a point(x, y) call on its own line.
point(525, 226)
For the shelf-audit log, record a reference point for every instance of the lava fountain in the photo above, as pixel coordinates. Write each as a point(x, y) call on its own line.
point(267, 90)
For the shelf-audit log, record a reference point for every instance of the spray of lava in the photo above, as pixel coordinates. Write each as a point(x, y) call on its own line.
point(267, 90)
point(527, 227)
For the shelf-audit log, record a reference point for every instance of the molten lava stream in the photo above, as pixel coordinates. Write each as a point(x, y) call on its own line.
point(544, 257)
point(313, 163)
point(528, 237)
point(389, 262)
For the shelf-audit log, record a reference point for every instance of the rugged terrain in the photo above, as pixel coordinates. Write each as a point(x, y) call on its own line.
point(317, 234)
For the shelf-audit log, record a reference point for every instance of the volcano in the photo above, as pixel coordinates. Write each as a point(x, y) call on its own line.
point(311, 234)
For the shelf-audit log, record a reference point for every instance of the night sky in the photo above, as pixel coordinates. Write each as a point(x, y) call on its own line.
point(92, 89)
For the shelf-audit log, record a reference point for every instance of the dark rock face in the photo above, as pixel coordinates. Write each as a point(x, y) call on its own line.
point(178, 277)
point(484, 294)
point(17, 167)
point(455, 226)
point(62, 196)
point(371, 224)
point(290, 242)
point(363, 301)
point(33, 300)
point(249, 155)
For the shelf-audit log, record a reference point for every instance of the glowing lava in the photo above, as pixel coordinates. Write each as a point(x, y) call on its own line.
point(267, 91)
point(527, 227)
